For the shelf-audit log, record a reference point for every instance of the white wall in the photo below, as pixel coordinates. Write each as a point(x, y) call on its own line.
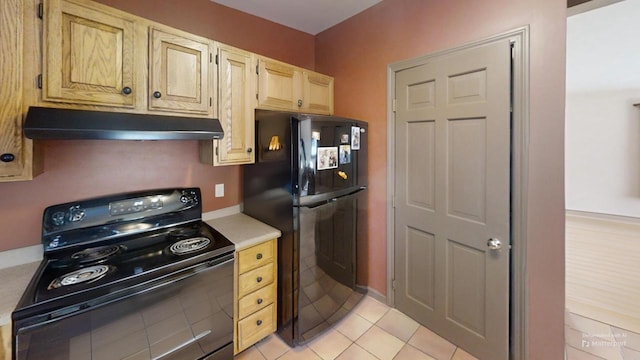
point(602, 147)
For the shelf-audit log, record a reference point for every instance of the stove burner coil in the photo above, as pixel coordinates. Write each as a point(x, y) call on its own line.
point(187, 246)
point(88, 274)
point(96, 253)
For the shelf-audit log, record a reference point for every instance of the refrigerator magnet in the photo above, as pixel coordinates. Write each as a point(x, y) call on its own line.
point(327, 157)
point(344, 139)
point(345, 154)
point(355, 138)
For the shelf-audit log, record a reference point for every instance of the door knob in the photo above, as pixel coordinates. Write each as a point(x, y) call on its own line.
point(494, 244)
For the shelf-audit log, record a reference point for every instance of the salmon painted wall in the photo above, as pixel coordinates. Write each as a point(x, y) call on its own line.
point(357, 52)
point(82, 169)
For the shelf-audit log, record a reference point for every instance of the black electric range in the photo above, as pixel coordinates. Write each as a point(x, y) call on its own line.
point(119, 257)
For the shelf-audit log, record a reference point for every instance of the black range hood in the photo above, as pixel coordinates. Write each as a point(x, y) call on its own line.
point(52, 123)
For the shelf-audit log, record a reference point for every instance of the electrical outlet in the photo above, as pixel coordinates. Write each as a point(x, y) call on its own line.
point(219, 190)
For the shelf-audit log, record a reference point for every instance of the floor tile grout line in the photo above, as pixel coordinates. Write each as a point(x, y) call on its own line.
point(594, 355)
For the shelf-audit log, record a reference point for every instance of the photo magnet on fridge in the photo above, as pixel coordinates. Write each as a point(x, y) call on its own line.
point(355, 138)
point(327, 157)
point(345, 154)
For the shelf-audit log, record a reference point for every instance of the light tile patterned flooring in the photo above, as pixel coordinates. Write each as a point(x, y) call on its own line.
point(372, 331)
point(588, 339)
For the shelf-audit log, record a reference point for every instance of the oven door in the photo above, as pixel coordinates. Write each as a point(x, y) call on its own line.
point(187, 315)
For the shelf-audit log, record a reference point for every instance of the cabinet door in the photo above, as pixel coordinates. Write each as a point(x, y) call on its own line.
point(279, 85)
point(317, 97)
point(179, 73)
point(88, 56)
point(16, 156)
point(237, 94)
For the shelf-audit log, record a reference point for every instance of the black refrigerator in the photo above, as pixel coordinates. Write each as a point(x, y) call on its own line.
point(309, 180)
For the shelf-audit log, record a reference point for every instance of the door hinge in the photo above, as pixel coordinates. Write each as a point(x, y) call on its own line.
point(393, 284)
point(41, 11)
point(217, 59)
point(393, 105)
point(216, 151)
point(393, 202)
point(39, 81)
point(210, 101)
point(257, 68)
point(257, 96)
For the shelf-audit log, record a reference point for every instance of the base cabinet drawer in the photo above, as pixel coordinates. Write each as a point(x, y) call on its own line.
point(255, 295)
point(256, 326)
point(256, 300)
point(255, 279)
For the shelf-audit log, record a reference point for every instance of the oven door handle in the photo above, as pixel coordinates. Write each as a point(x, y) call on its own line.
point(183, 345)
point(177, 277)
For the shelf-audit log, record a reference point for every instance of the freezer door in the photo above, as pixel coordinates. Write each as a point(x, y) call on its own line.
point(329, 152)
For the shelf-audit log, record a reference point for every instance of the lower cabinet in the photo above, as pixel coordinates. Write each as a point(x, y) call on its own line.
point(255, 294)
point(5, 339)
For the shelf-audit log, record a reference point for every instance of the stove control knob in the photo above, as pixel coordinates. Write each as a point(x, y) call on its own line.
point(76, 214)
point(189, 198)
point(58, 218)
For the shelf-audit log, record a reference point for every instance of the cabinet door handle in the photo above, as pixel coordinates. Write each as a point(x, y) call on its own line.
point(126, 90)
point(7, 157)
point(249, 150)
point(259, 322)
point(299, 102)
point(259, 256)
point(259, 301)
point(259, 279)
point(157, 94)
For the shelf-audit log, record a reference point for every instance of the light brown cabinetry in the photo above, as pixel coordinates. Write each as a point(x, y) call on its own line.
point(88, 55)
point(16, 152)
point(236, 104)
point(317, 95)
point(286, 87)
point(5, 338)
point(97, 55)
point(179, 70)
point(255, 294)
point(279, 85)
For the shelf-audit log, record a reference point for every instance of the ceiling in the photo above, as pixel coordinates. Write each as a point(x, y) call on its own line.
point(309, 16)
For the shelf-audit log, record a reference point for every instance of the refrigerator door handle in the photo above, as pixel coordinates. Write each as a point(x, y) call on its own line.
point(328, 201)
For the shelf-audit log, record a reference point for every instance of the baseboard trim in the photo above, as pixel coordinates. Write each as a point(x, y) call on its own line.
point(377, 295)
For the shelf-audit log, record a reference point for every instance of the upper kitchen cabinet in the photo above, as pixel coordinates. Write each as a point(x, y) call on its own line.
point(179, 68)
point(317, 95)
point(279, 85)
point(286, 87)
point(237, 101)
point(98, 57)
point(88, 55)
point(16, 152)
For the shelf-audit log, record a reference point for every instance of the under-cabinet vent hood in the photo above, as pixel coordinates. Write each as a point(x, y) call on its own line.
point(52, 123)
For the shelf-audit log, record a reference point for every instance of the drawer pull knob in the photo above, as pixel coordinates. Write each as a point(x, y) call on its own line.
point(259, 256)
point(259, 279)
point(259, 322)
point(259, 301)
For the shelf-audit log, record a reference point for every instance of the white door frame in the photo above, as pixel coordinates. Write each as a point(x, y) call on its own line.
point(519, 165)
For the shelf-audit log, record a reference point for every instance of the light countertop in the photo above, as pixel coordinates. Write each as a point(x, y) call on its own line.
point(244, 231)
point(15, 280)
